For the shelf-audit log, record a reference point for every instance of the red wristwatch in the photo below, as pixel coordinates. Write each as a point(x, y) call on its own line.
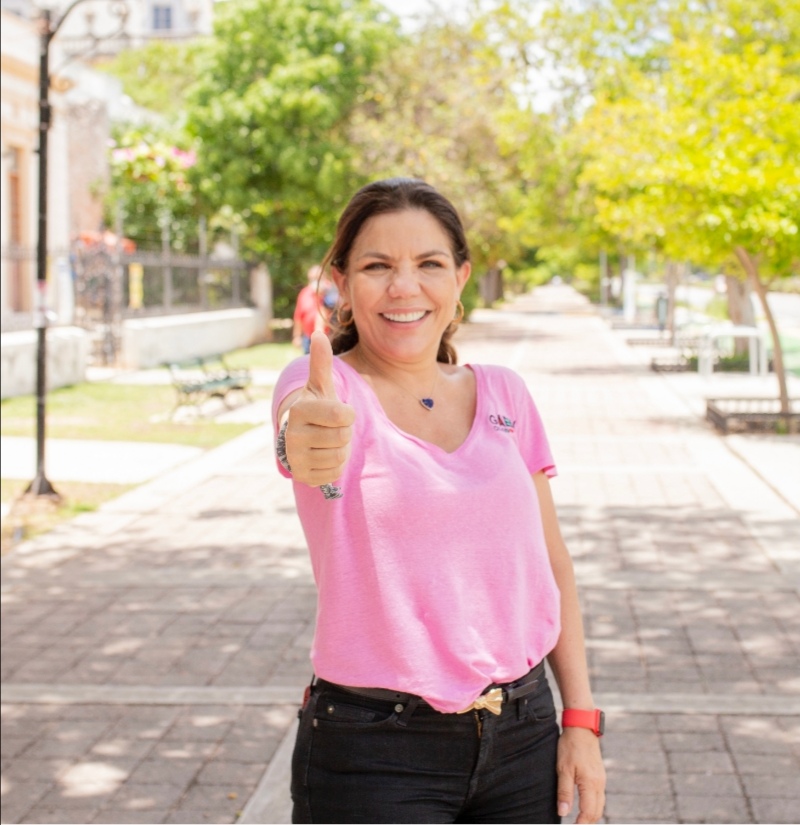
point(595, 720)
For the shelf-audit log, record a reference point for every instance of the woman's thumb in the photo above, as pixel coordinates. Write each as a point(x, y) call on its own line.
point(320, 366)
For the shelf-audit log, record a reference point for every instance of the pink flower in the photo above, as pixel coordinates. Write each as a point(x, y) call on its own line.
point(120, 155)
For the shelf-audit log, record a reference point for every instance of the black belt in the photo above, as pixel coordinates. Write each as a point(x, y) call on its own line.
point(492, 698)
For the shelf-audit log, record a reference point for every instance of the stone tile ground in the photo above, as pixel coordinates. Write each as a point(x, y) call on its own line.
point(154, 652)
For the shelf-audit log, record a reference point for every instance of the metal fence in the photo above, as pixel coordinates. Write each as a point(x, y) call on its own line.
point(155, 283)
point(97, 286)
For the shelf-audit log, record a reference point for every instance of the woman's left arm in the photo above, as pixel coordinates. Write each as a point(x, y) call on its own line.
point(579, 760)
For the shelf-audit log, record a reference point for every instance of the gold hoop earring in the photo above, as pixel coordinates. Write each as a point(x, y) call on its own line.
point(459, 314)
point(345, 322)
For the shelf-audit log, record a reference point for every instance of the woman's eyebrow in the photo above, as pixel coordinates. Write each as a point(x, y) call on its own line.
point(434, 252)
point(384, 257)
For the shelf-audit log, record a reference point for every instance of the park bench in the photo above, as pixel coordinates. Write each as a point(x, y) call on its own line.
point(684, 350)
point(675, 363)
point(197, 380)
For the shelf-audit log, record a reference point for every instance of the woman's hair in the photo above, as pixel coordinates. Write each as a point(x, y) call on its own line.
point(379, 198)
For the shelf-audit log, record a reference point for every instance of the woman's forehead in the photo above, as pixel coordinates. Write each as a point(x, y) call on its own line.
point(411, 230)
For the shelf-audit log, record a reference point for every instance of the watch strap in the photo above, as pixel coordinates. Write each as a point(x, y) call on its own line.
point(594, 720)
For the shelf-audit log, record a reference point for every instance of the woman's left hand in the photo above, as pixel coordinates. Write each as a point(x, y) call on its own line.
point(580, 764)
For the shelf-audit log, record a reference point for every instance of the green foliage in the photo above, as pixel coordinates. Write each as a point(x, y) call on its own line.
point(158, 75)
point(270, 114)
point(448, 106)
point(150, 183)
point(702, 158)
point(434, 110)
point(676, 131)
point(262, 356)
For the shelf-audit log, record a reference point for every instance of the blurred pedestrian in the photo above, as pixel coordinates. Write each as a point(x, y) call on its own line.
point(307, 316)
point(443, 579)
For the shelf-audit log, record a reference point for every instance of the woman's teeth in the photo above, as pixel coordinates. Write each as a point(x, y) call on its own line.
point(405, 317)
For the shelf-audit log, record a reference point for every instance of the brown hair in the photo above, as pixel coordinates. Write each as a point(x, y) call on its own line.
point(379, 198)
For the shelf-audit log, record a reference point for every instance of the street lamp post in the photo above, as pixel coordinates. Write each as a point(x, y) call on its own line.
point(40, 486)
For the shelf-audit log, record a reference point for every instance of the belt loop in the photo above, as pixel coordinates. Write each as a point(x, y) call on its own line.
point(522, 707)
point(306, 696)
point(408, 711)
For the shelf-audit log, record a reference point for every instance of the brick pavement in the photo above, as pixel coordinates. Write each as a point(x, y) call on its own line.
point(153, 652)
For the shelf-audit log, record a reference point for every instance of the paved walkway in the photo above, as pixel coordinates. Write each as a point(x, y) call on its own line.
point(154, 651)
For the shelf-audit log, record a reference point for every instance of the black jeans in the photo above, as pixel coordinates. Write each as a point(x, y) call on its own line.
point(356, 761)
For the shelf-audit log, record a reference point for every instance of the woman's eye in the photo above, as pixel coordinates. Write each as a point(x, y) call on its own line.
point(376, 266)
point(432, 264)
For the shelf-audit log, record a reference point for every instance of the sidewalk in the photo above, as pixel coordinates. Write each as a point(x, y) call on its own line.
point(154, 651)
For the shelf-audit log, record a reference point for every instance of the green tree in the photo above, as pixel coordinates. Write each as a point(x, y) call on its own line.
point(270, 115)
point(703, 157)
point(158, 75)
point(150, 184)
point(443, 107)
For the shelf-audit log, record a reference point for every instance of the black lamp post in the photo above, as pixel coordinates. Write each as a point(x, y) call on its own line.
point(40, 486)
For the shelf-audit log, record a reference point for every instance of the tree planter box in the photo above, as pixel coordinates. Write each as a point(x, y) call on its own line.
point(752, 415)
point(676, 364)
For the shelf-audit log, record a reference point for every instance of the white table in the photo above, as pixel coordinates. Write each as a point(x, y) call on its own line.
point(707, 351)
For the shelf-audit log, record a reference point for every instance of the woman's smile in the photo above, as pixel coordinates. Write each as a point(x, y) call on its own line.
point(405, 316)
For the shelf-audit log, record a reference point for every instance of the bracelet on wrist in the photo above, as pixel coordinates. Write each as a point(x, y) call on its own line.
point(280, 447)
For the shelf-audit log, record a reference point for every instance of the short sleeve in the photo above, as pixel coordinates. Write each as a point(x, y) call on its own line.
point(531, 435)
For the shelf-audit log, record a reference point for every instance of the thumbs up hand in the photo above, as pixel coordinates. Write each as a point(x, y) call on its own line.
point(320, 425)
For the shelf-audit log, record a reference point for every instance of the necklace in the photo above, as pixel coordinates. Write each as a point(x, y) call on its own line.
point(426, 402)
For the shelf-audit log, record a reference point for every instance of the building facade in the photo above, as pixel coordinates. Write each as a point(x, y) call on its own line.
point(84, 104)
point(95, 28)
point(19, 122)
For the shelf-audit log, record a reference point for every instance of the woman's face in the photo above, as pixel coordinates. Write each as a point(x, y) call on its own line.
point(402, 284)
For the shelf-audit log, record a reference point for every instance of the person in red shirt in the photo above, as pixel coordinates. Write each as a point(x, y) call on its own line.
point(307, 316)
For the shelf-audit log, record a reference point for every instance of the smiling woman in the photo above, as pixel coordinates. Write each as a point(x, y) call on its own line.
point(430, 701)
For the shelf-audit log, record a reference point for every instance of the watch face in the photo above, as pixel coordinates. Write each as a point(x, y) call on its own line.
point(601, 723)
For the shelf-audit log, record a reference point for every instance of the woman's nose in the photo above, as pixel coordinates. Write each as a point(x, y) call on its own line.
point(404, 280)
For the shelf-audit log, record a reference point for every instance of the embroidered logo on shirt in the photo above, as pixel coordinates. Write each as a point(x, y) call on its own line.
point(502, 423)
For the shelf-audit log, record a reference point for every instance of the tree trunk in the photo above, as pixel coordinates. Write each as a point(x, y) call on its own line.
point(740, 308)
point(491, 286)
point(750, 266)
point(671, 277)
point(676, 272)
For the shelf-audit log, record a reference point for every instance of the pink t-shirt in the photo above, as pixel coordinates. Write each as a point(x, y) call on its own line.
point(432, 571)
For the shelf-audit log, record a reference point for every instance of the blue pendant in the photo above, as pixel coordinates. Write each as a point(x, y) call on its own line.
point(427, 403)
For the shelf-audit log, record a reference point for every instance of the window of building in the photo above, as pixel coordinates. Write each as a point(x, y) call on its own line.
point(162, 18)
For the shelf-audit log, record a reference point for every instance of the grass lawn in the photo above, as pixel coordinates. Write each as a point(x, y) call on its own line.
point(108, 411)
point(29, 517)
point(118, 412)
point(263, 356)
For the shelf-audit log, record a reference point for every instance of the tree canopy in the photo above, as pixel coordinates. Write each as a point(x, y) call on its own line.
point(270, 115)
point(674, 129)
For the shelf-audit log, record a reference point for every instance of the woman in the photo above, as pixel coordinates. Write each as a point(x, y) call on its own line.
point(443, 580)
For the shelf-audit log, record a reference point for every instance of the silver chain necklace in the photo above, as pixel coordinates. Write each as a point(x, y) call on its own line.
point(426, 402)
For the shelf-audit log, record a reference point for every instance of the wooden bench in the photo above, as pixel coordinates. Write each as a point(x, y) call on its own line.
point(684, 350)
point(197, 380)
point(678, 363)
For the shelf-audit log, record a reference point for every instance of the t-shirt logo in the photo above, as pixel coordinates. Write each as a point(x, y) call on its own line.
point(502, 423)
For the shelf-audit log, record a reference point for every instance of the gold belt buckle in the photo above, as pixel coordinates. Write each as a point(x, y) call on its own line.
point(492, 701)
